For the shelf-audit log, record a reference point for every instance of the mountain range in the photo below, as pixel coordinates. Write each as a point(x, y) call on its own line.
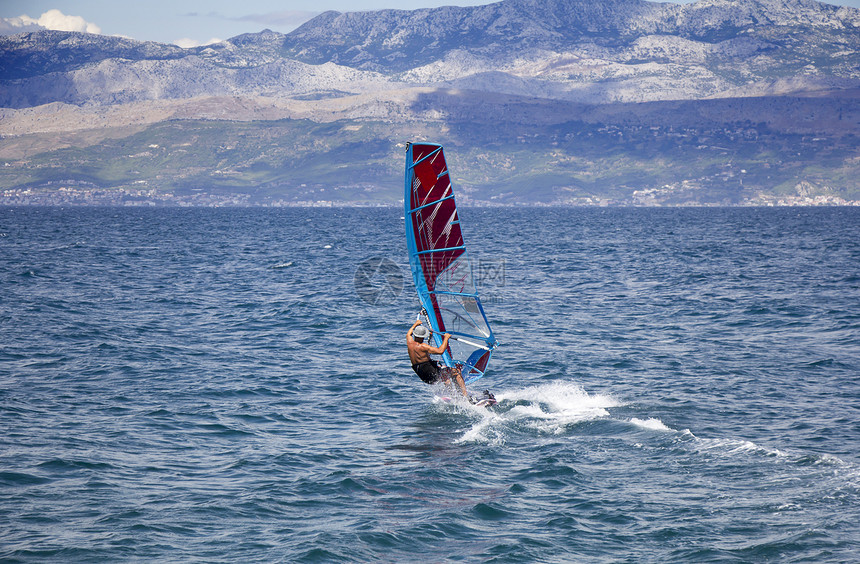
point(660, 91)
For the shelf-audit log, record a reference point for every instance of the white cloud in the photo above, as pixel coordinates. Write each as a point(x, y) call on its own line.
point(187, 43)
point(21, 24)
point(52, 19)
point(55, 19)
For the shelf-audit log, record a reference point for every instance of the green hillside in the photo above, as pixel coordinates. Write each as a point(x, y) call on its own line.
point(361, 162)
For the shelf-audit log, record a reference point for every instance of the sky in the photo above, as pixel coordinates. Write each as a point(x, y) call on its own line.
point(186, 22)
point(189, 23)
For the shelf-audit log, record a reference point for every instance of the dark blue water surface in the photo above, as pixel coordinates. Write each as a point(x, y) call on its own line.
point(211, 385)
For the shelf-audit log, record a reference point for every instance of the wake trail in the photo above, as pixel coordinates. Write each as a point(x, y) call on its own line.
point(560, 409)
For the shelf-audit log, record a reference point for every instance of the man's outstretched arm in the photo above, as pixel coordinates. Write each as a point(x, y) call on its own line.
point(441, 348)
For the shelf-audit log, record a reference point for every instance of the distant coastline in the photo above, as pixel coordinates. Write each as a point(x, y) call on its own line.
point(132, 197)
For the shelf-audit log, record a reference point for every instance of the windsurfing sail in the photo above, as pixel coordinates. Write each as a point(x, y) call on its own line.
point(440, 265)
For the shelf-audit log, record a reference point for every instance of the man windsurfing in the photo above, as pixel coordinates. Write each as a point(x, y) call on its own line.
point(426, 368)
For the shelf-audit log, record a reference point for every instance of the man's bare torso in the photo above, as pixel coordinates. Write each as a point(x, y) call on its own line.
point(418, 352)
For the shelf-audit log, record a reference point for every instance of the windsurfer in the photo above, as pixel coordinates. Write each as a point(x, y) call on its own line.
point(426, 368)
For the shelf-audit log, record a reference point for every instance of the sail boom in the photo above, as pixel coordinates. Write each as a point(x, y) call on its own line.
point(470, 341)
point(444, 293)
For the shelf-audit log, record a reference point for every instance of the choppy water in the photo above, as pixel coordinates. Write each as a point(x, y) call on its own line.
point(674, 385)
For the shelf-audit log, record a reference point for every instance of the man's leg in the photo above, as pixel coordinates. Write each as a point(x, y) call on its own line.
point(458, 377)
point(446, 372)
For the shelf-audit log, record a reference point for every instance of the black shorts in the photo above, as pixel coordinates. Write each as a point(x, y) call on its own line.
point(428, 371)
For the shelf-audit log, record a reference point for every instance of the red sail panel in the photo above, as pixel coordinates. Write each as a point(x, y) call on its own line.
point(481, 365)
point(435, 221)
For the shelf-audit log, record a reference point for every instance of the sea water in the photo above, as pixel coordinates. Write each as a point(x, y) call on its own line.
point(223, 385)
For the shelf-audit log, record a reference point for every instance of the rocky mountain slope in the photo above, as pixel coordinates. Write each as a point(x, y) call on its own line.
point(393, 40)
point(594, 52)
